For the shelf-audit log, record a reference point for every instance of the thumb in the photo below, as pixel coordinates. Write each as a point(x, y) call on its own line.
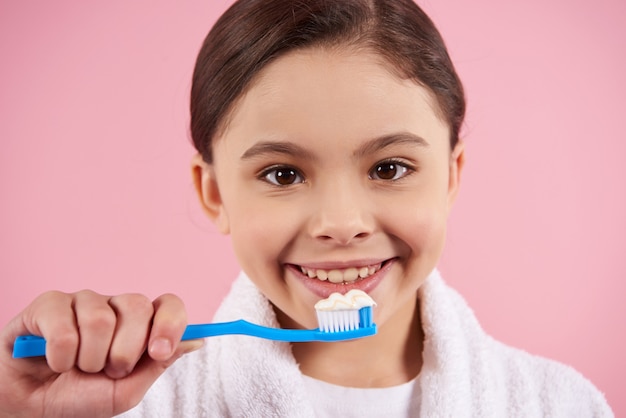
point(132, 389)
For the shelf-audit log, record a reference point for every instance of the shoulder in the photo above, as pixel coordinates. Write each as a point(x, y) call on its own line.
point(560, 389)
point(495, 377)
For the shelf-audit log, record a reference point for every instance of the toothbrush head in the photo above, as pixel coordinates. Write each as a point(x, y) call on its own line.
point(342, 316)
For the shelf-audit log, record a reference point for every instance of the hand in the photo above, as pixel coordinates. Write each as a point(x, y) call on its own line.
point(102, 353)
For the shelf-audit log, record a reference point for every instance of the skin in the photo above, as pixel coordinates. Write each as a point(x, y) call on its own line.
point(323, 121)
point(333, 108)
point(107, 349)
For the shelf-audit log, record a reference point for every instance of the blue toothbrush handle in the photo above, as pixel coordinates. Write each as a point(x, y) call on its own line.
point(29, 346)
point(243, 327)
point(34, 346)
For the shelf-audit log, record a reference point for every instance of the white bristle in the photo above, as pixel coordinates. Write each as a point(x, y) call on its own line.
point(339, 320)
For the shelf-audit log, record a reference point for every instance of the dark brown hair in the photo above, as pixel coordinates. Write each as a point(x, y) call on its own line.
point(252, 33)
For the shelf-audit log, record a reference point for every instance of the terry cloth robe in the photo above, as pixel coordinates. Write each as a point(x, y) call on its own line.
point(465, 373)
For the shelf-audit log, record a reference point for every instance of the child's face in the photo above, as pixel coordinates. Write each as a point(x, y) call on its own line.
point(330, 162)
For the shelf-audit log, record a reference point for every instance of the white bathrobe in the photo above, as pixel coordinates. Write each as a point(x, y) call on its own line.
point(465, 373)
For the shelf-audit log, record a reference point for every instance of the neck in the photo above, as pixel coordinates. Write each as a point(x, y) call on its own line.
point(391, 357)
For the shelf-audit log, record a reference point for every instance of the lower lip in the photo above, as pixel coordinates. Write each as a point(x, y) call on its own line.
point(323, 288)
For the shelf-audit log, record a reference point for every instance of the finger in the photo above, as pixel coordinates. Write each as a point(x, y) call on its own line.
point(51, 315)
point(96, 322)
point(134, 319)
point(170, 319)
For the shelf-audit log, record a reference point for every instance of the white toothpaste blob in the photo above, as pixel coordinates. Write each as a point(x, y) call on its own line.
point(341, 312)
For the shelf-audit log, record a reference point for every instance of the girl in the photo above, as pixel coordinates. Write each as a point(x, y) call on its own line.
point(328, 142)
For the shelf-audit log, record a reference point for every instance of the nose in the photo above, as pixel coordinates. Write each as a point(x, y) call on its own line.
point(341, 215)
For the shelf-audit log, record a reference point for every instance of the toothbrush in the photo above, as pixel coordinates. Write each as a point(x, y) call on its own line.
point(340, 326)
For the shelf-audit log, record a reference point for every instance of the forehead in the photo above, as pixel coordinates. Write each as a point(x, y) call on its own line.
point(339, 92)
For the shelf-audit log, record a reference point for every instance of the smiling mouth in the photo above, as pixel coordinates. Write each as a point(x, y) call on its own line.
point(344, 275)
point(340, 278)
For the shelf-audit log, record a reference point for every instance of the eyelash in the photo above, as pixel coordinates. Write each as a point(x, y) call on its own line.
point(270, 174)
point(407, 169)
point(275, 170)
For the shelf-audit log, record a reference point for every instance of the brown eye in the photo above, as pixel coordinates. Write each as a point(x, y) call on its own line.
point(283, 176)
point(389, 170)
point(386, 171)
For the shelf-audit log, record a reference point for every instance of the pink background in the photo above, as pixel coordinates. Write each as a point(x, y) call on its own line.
point(95, 188)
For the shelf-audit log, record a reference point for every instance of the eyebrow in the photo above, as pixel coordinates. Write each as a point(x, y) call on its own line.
point(276, 148)
point(380, 143)
point(370, 147)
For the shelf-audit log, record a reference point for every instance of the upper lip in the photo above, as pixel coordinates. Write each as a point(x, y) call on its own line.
point(338, 265)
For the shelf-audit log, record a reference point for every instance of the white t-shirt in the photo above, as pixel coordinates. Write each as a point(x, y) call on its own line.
point(330, 400)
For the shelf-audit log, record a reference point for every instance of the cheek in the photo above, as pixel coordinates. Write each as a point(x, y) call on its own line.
point(418, 231)
point(424, 233)
point(260, 241)
point(259, 235)
point(419, 220)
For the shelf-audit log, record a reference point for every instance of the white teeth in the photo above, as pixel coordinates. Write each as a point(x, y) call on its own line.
point(334, 276)
point(348, 275)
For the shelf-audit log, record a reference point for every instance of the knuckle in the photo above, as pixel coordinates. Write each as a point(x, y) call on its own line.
point(52, 294)
point(43, 304)
point(61, 350)
point(172, 323)
point(63, 340)
point(98, 318)
point(50, 297)
point(86, 293)
point(90, 367)
point(137, 304)
point(170, 315)
point(180, 321)
point(170, 298)
point(120, 361)
point(170, 328)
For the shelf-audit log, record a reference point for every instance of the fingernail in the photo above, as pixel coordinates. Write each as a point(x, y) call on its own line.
point(161, 348)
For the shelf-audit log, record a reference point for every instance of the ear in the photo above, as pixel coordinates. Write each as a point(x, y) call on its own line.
point(205, 182)
point(457, 161)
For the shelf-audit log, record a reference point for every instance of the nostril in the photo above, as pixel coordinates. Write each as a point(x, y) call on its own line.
point(343, 240)
point(336, 226)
